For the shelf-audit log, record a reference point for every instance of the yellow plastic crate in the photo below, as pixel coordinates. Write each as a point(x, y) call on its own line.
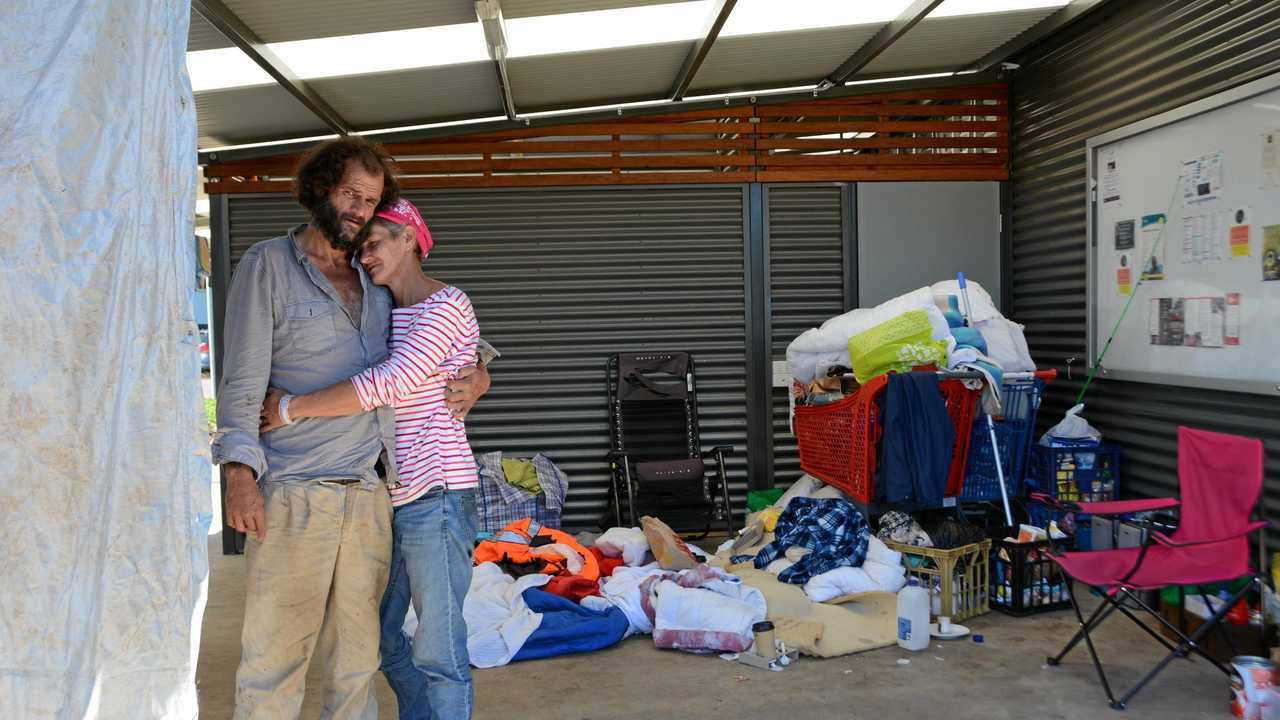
point(961, 575)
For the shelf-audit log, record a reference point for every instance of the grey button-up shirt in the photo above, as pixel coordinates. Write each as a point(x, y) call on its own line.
point(286, 327)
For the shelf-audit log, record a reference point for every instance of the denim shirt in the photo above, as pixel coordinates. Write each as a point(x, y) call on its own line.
point(286, 327)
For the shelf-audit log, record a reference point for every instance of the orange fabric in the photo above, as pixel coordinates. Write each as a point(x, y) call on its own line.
point(520, 552)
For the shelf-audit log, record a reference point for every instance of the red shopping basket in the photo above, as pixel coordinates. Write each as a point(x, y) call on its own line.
point(837, 442)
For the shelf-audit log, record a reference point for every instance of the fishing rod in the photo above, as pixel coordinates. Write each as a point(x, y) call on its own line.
point(1132, 294)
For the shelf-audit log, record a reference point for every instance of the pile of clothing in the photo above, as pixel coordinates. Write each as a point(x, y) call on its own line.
point(525, 597)
point(822, 542)
point(922, 327)
point(538, 592)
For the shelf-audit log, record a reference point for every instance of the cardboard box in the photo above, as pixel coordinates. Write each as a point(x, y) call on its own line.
point(1247, 639)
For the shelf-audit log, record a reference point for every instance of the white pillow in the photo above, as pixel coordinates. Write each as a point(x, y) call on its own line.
point(841, 581)
point(888, 578)
point(878, 552)
point(626, 543)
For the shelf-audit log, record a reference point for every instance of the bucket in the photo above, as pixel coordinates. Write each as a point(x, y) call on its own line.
point(1252, 679)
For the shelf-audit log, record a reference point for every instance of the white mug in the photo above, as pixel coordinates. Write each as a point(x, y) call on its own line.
point(944, 625)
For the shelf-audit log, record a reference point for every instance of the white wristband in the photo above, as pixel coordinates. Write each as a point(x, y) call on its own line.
point(284, 409)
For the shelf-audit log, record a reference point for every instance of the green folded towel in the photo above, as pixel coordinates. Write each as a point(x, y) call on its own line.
point(521, 474)
point(896, 345)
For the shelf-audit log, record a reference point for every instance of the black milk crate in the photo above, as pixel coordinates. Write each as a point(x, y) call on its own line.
point(1024, 580)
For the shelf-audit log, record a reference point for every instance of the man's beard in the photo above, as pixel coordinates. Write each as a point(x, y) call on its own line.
point(327, 221)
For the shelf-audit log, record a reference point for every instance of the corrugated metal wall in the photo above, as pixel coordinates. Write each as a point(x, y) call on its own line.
point(1127, 61)
point(562, 278)
point(806, 284)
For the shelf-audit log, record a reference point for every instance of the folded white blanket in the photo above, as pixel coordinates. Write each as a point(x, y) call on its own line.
point(980, 304)
point(818, 348)
point(1007, 345)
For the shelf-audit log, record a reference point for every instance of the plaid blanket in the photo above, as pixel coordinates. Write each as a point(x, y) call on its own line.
point(832, 529)
point(501, 504)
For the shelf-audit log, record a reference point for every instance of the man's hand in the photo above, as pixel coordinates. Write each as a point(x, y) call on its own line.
point(269, 417)
point(245, 511)
point(472, 382)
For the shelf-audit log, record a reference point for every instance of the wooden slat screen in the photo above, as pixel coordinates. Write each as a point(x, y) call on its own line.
point(959, 133)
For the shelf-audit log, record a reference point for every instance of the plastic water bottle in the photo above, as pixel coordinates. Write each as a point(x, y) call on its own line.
point(913, 617)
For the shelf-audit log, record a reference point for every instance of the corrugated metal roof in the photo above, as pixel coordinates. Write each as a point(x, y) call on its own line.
point(395, 97)
point(778, 59)
point(754, 62)
point(225, 117)
point(530, 8)
point(954, 41)
point(285, 20)
point(589, 78)
point(203, 36)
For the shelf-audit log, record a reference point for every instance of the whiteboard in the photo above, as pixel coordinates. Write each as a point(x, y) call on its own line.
point(1184, 226)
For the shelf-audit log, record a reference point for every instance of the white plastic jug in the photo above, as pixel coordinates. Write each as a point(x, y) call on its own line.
point(913, 617)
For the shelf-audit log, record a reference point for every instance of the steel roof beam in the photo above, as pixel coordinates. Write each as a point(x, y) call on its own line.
point(230, 25)
point(489, 13)
point(699, 52)
point(887, 36)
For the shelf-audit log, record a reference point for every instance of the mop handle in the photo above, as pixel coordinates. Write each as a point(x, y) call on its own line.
point(995, 453)
point(964, 295)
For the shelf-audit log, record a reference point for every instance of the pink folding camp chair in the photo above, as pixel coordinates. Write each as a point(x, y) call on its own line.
point(1220, 478)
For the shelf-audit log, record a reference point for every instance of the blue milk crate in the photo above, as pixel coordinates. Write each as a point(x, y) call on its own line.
point(1079, 473)
point(1021, 401)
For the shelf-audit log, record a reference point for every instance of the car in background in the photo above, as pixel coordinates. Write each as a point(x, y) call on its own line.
point(204, 350)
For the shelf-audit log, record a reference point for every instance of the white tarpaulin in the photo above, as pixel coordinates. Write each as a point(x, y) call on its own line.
point(104, 475)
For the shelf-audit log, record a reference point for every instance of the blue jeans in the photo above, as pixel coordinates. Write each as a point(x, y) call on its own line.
point(430, 567)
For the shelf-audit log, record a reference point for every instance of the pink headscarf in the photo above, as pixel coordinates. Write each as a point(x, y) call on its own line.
point(403, 212)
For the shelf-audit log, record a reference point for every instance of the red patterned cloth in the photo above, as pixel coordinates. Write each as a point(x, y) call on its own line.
point(607, 564)
point(572, 587)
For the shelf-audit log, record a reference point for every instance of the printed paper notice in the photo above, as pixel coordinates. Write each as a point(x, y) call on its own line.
point(1202, 178)
point(1203, 322)
point(1271, 160)
point(1271, 252)
point(1153, 246)
point(1124, 276)
point(1166, 324)
point(1201, 236)
point(1200, 322)
point(1110, 178)
point(1124, 235)
point(1239, 236)
point(1231, 333)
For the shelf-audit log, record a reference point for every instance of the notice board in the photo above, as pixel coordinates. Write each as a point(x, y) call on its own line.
point(1184, 229)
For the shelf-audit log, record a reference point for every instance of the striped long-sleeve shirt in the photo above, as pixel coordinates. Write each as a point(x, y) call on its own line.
point(430, 343)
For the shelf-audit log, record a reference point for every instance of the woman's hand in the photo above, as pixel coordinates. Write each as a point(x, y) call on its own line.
point(269, 417)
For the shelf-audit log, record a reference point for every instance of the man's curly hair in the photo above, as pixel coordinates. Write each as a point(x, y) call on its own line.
point(321, 168)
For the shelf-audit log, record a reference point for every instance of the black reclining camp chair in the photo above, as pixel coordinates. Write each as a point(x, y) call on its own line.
point(656, 459)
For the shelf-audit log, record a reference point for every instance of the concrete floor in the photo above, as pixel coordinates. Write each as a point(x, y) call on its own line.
point(1005, 677)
